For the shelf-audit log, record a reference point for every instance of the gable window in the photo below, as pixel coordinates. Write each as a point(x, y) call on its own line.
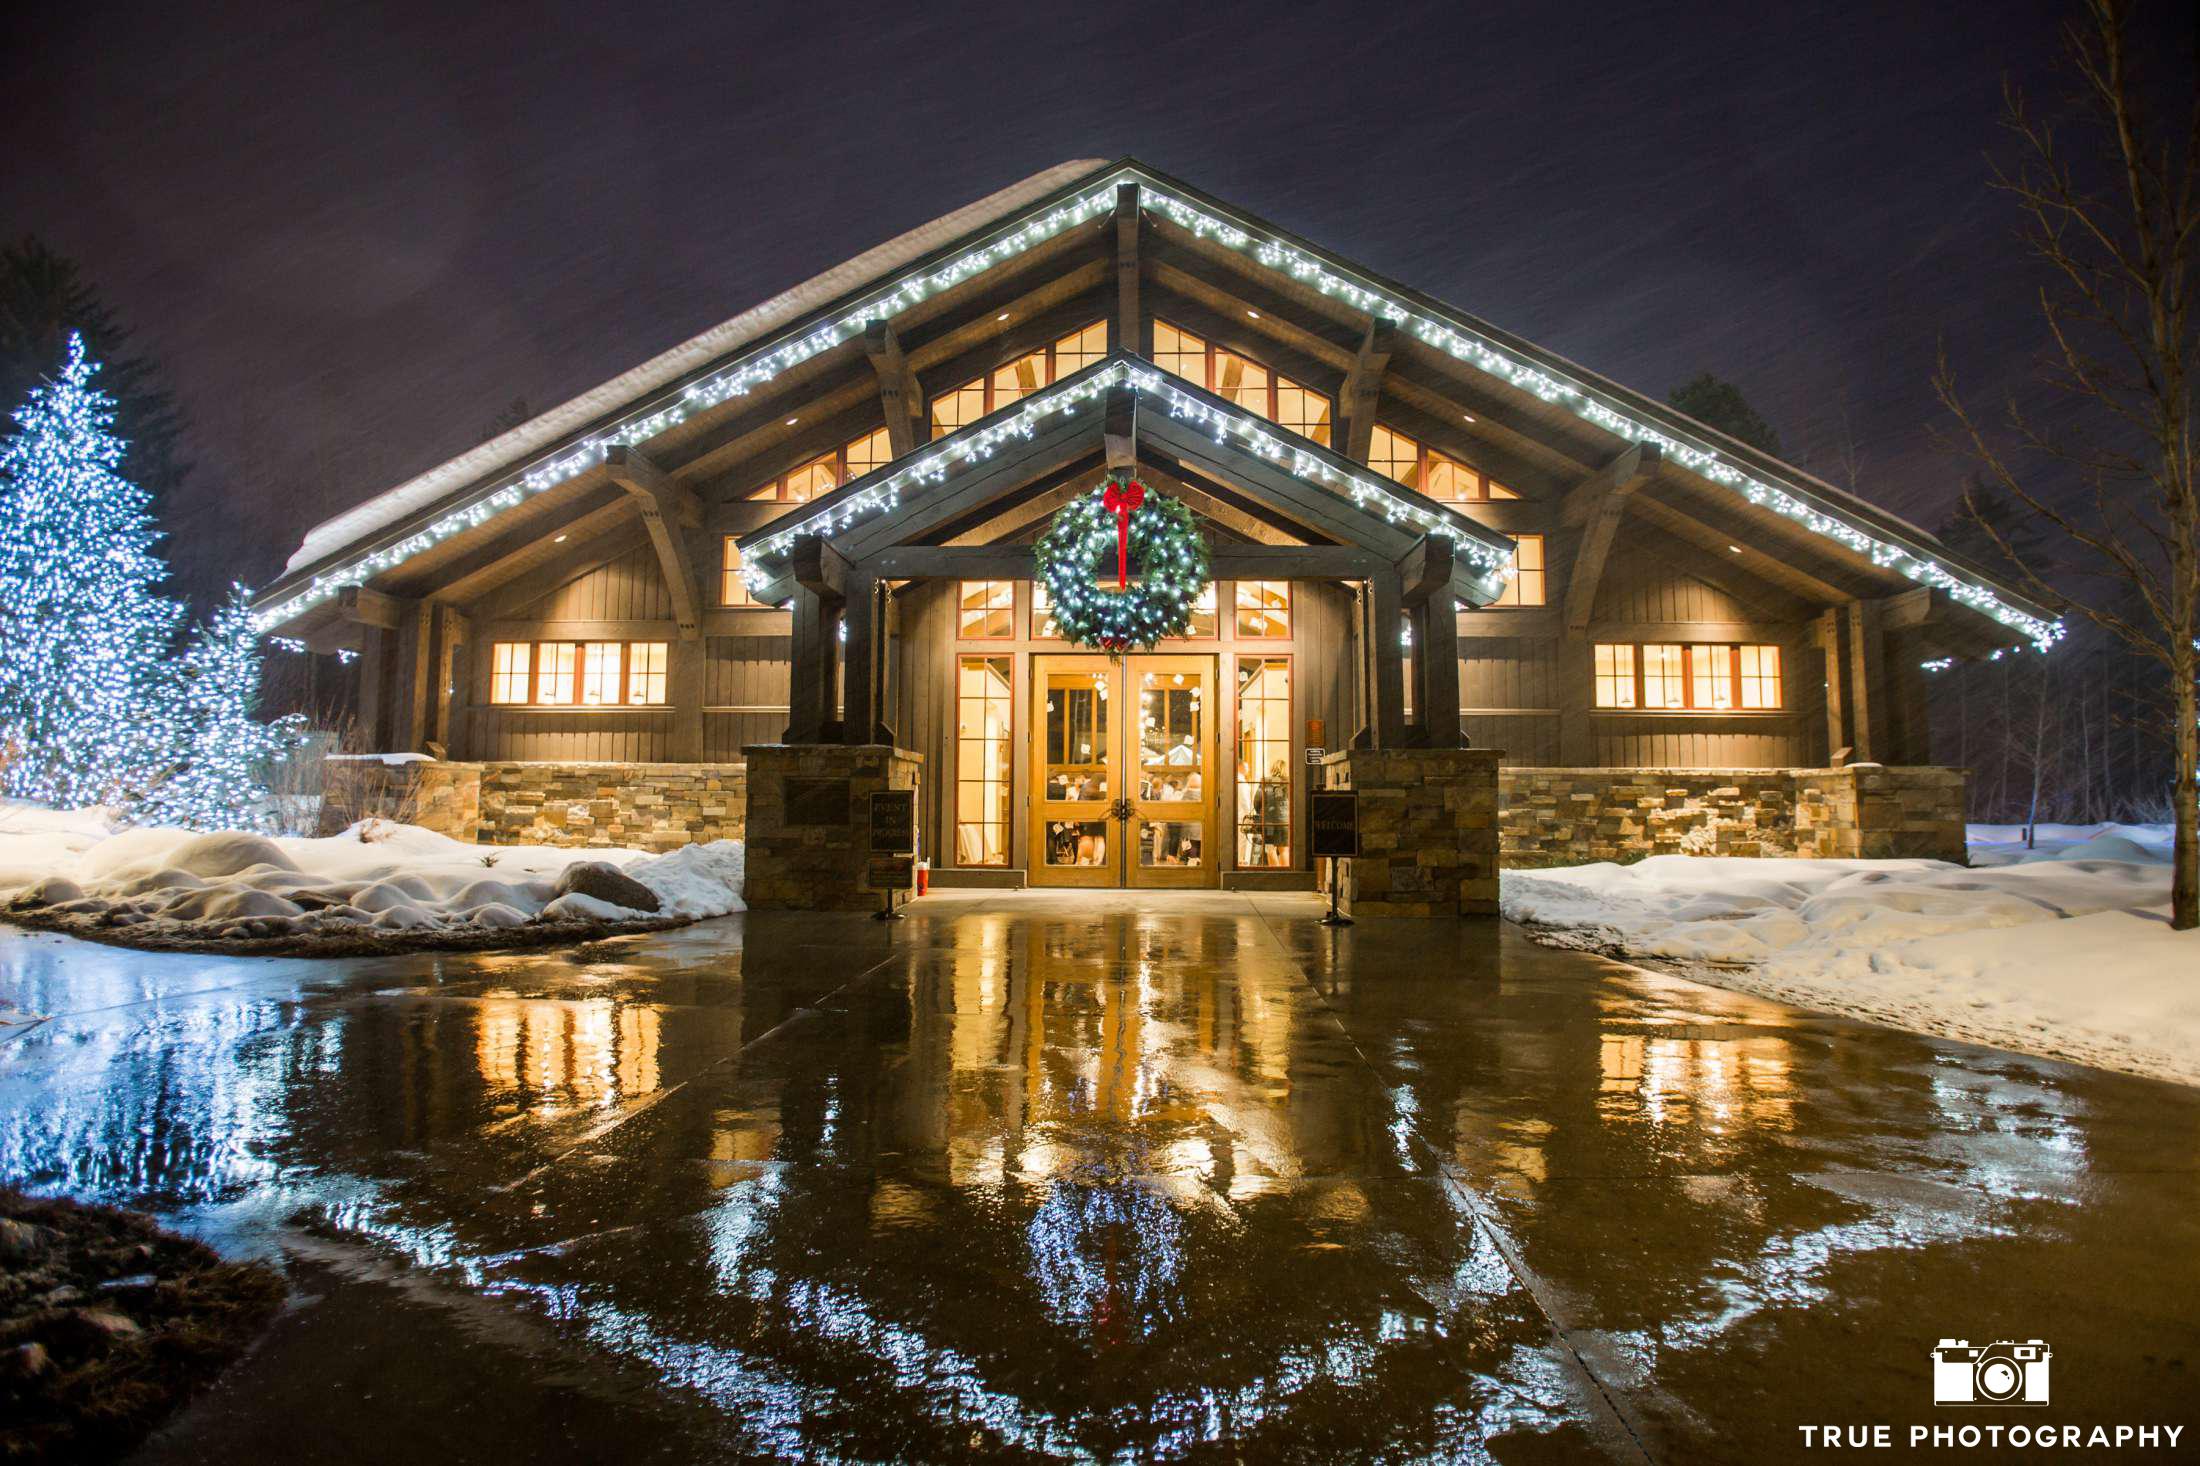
point(1246, 382)
point(1695, 678)
point(732, 589)
point(958, 407)
point(1418, 466)
point(578, 673)
point(986, 610)
point(828, 471)
point(1264, 608)
point(1527, 585)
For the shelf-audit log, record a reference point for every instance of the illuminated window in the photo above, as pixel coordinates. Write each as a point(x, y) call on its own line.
point(645, 672)
point(510, 665)
point(1248, 383)
point(988, 609)
point(1702, 678)
point(1202, 620)
point(1264, 608)
point(1711, 676)
point(1043, 625)
point(958, 407)
point(1615, 676)
point(1760, 676)
point(732, 589)
point(600, 672)
point(576, 673)
point(554, 664)
point(1435, 474)
point(828, 471)
point(1526, 586)
point(1264, 761)
point(983, 734)
point(1663, 684)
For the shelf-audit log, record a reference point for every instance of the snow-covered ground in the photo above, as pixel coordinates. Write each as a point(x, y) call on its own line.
point(375, 880)
point(2063, 950)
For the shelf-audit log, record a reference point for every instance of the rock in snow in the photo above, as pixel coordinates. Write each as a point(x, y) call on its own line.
point(375, 878)
point(604, 882)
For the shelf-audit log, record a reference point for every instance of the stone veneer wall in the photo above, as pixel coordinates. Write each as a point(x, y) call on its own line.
point(640, 806)
point(821, 866)
point(1428, 830)
point(1564, 816)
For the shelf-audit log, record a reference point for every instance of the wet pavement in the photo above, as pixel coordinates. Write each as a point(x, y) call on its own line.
point(1096, 1176)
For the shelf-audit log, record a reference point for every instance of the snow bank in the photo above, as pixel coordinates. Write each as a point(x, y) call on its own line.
point(2064, 950)
point(375, 878)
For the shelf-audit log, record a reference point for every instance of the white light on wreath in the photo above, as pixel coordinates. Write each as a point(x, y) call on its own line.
point(1104, 536)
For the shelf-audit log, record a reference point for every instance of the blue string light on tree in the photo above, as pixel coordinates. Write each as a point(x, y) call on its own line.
point(1121, 528)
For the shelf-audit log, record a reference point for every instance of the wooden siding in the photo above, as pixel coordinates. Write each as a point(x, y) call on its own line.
point(1677, 741)
point(597, 735)
point(744, 693)
point(628, 588)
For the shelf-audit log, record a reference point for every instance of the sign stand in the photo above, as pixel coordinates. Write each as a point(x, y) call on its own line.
point(1333, 918)
point(893, 846)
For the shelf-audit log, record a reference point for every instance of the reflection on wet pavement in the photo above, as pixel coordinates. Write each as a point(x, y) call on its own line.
point(1083, 1176)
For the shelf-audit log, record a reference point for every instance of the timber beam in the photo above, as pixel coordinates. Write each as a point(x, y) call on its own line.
point(899, 396)
point(1129, 335)
point(1119, 429)
point(668, 512)
point(372, 607)
point(1426, 569)
point(1597, 504)
point(1363, 388)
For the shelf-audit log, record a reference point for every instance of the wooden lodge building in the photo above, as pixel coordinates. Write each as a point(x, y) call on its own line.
point(812, 528)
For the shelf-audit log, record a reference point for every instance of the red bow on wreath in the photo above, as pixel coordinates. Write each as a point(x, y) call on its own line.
point(1119, 500)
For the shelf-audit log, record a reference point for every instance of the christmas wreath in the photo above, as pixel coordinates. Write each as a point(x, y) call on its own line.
point(1154, 536)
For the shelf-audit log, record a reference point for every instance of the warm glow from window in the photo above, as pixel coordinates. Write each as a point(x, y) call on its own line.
point(1043, 625)
point(1705, 678)
point(732, 589)
point(554, 663)
point(1264, 761)
point(645, 672)
point(1526, 588)
point(1250, 384)
point(510, 666)
point(867, 453)
point(600, 673)
point(984, 718)
point(987, 610)
point(958, 407)
point(1264, 608)
point(1435, 474)
point(828, 471)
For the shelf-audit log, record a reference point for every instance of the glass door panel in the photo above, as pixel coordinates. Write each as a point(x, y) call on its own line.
point(1172, 751)
point(1075, 774)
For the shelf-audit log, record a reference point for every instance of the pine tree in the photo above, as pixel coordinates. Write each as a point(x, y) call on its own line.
point(220, 780)
point(83, 637)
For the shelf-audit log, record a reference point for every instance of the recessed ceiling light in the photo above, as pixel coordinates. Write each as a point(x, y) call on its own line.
point(1734, 549)
point(1002, 316)
point(792, 421)
point(1254, 314)
point(559, 540)
point(1466, 417)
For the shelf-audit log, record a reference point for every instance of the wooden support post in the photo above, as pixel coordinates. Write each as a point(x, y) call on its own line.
point(1130, 332)
point(453, 632)
point(669, 512)
point(1598, 503)
point(685, 673)
point(374, 669)
point(1119, 429)
point(1868, 692)
point(1363, 388)
point(899, 396)
point(1436, 655)
point(1828, 634)
point(859, 715)
point(1386, 660)
point(1576, 696)
point(821, 580)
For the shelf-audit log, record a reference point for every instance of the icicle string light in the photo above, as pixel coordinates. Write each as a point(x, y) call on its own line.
point(1455, 338)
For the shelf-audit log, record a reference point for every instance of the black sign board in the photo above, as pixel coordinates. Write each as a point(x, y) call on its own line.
point(816, 801)
point(894, 822)
point(1315, 753)
point(889, 872)
point(1333, 823)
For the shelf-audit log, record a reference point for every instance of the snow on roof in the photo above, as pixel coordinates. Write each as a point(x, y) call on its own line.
point(507, 450)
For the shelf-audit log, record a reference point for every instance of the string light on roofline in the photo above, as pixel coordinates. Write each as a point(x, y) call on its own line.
point(1455, 338)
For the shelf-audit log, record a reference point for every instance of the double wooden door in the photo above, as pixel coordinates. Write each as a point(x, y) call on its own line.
point(1124, 791)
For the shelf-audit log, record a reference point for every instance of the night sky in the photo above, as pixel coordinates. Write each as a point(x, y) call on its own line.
point(354, 235)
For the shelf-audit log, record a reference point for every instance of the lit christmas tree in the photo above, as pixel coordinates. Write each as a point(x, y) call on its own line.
point(83, 637)
point(220, 779)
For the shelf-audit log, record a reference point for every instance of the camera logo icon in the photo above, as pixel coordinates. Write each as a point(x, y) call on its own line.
point(2004, 1372)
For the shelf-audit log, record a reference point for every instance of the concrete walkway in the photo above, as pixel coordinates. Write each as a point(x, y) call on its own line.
point(1103, 1176)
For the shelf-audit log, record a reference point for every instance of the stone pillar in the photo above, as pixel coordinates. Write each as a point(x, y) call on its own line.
point(1428, 830)
point(809, 822)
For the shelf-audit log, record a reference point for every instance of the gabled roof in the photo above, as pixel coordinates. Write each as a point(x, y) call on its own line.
point(633, 408)
point(1302, 479)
